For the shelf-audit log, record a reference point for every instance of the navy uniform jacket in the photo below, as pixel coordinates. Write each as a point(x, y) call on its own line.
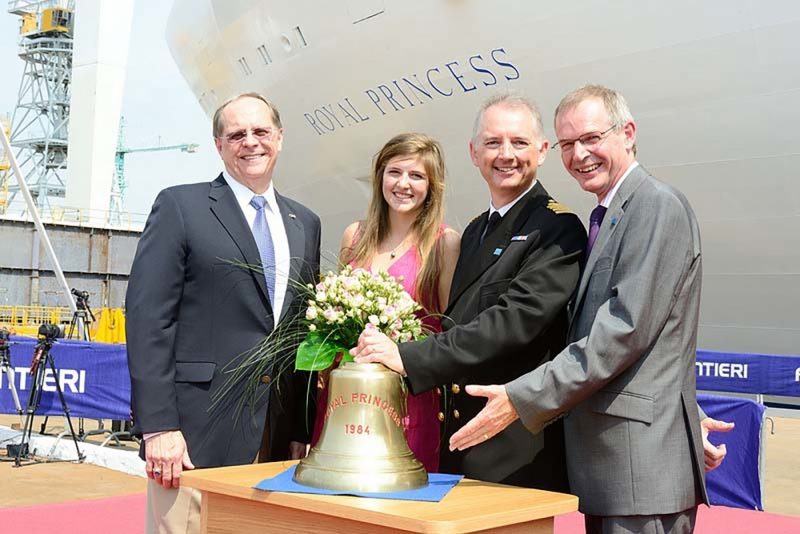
point(191, 311)
point(507, 315)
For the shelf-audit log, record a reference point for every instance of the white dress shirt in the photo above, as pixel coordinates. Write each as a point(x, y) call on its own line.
point(607, 200)
point(276, 229)
point(502, 210)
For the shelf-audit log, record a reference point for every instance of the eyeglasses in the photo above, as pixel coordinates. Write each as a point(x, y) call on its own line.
point(262, 134)
point(588, 141)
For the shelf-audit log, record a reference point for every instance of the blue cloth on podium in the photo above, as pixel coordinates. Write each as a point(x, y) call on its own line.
point(439, 484)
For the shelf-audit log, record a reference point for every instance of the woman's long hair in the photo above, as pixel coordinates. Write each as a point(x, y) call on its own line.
point(426, 226)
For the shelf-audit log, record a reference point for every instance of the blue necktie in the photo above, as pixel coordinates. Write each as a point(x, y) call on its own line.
point(264, 242)
point(595, 220)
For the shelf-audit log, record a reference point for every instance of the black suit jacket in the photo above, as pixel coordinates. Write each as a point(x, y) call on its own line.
point(507, 315)
point(191, 311)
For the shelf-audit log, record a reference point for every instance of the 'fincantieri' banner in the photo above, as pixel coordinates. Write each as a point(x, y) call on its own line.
point(748, 373)
point(92, 376)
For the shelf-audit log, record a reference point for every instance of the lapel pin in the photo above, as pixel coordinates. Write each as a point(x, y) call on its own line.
point(614, 220)
point(292, 216)
point(519, 238)
point(497, 251)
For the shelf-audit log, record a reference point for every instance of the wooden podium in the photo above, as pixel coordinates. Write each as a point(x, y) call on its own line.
point(230, 504)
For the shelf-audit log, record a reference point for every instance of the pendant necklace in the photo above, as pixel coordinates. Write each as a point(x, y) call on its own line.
point(393, 253)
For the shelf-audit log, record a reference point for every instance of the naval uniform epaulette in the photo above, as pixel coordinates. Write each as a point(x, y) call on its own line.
point(557, 208)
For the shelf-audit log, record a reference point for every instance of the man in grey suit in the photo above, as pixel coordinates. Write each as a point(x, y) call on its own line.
point(192, 309)
point(625, 385)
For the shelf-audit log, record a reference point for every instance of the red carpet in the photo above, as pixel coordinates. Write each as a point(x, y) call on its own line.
point(714, 520)
point(125, 515)
point(120, 515)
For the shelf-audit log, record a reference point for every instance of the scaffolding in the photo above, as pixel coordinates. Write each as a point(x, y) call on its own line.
point(5, 125)
point(39, 126)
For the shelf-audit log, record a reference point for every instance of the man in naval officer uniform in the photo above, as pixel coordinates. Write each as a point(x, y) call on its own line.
point(518, 268)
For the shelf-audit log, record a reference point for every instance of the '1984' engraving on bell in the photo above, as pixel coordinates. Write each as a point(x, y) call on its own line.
point(362, 446)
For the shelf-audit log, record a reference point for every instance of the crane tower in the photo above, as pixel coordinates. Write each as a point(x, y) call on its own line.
point(120, 184)
point(5, 125)
point(41, 118)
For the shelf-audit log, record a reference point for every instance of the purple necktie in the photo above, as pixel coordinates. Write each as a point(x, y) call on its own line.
point(595, 220)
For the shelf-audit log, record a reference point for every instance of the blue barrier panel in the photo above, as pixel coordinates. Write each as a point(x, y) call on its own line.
point(748, 373)
point(736, 482)
point(93, 376)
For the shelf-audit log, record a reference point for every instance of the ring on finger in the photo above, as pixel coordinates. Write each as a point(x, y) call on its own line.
point(486, 436)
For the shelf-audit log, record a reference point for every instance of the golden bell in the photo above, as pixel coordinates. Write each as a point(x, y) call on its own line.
point(362, 446)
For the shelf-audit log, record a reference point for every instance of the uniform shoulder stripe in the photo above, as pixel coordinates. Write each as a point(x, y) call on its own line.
point(557, 208)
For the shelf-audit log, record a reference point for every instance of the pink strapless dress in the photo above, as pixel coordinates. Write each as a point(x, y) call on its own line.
point(421, 424)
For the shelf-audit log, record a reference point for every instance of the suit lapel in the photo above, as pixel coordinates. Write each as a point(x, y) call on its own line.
point(225, 208)
point(470, 242)
point(477, 257)
point(295, 234)
point(616, 210)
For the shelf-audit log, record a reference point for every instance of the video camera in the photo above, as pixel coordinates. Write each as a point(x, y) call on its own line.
point(80, 295)
point(50, 332)
point(5, 344)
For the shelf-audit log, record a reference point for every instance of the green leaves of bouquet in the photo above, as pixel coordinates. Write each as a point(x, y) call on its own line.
point(341, 306)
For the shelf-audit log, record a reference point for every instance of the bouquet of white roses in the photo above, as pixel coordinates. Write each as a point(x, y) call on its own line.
point(343, 304)
point(340, 306)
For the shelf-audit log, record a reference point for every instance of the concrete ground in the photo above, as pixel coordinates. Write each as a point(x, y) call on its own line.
point(782, 466)
point(44, 483)
point(58, 482)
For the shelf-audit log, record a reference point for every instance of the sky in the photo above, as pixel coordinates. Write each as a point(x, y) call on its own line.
point(158, 107)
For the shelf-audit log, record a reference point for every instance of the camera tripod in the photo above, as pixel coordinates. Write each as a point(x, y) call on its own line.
point(82, 316)
point(42, 361)
point(7, 370)
point(79, 326)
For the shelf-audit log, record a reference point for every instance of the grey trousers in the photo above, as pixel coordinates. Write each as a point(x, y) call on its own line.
point(678, 523)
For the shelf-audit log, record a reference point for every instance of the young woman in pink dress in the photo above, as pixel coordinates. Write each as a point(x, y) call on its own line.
point(404, 235)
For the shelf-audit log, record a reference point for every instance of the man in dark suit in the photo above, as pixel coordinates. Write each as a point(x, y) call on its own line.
point(519, 265)
point(625, 385)
point(192, 309)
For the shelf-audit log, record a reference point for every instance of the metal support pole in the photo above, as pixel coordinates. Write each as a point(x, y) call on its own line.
point(37, 221)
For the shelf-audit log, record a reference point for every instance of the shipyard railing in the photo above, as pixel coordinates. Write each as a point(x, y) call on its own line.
point(108, 327)
point(25, 316)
